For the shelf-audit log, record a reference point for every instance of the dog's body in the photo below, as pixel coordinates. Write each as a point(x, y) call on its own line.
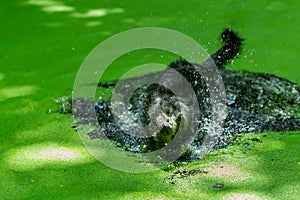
point(160, 110)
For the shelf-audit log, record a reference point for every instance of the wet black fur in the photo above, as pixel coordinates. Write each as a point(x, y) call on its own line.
point(229, 50)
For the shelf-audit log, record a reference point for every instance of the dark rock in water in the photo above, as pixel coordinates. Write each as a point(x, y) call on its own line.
point(218, 185)
point(152, 114)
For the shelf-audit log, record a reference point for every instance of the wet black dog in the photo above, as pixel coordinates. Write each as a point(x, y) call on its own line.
point(160, 111)
point(256, 102)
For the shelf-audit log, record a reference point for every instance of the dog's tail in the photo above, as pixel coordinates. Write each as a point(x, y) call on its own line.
point(229, 50)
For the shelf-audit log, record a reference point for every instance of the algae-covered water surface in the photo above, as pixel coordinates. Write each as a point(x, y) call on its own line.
point(43, 44)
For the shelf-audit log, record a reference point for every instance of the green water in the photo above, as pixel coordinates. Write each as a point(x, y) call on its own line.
point(38, 39)
point(44, 42)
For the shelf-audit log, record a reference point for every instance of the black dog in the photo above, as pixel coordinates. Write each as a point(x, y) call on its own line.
point(159, 109)
point(256, 103)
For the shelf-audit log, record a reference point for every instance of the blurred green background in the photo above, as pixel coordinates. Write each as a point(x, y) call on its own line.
point(44, 42)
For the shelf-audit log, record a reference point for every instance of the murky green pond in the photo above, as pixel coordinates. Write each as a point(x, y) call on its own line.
point(59, 34)
point(44, 42)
